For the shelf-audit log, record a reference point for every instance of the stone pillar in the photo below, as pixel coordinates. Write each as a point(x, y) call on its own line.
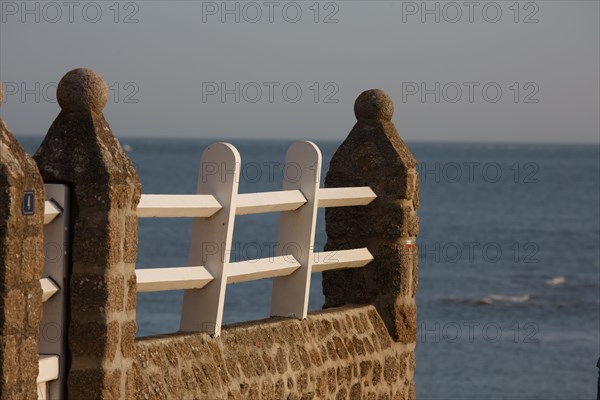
point(598, 391)
point(21, 265)
point(80, 150)
point(374, 155)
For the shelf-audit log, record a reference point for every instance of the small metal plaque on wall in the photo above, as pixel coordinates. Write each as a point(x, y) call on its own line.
point(28, 202)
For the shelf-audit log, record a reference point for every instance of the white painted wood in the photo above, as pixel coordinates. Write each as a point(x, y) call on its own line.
point(214, 209)
point(42, 391)
point(253, 270)
point(48, 368)
point(265, 202)
point(302, 171)
point(51, 211)
point(347, 196)
point(210, 244)
point(177, 278)
point(49, 288)
point(52, 336)
point(194, 206)
point(339, 259)
point(177, 206)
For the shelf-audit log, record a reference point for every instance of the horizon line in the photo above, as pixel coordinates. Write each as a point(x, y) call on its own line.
point(432, 141)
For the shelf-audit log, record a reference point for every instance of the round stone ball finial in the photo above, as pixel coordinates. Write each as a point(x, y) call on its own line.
point(374, 104)
point(82, 90)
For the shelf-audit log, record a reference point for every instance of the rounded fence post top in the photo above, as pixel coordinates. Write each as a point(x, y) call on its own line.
point(374, 104)
point(82, 90)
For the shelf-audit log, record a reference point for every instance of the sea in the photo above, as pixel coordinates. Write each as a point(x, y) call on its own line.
point(509, 259)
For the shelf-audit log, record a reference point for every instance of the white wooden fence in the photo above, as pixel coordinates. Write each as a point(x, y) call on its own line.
point(52, 344)
point(213, 210)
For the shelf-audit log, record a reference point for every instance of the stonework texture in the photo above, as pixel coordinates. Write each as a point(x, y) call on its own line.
point(21, 266)
point(374, 155)
point(80, 150)
point(344, 353)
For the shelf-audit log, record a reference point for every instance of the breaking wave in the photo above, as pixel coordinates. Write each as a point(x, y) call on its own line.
point(556, 281)
point(491, 299)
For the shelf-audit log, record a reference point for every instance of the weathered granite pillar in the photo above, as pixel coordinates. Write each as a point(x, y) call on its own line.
point(21, 265)
point(374, 155)
point(598, 391)
point(80, 150)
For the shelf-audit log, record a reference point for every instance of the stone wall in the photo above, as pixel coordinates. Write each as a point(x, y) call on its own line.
point(21, 265)
point(361, 347)
point(343, 353)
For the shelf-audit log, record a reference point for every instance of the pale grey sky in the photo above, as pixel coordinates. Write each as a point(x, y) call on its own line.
point(167, 64)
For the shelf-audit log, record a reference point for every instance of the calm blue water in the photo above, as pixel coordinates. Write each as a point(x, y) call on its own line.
point(509, 279)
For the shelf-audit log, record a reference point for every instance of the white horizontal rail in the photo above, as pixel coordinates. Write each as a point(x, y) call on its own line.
point(177, 205)
point(252, 270)
point(202, 205)
point(339, 259)
point(178, 278)
point(49, 288)
point(51, 211)
point(159, 279)
point(48, 368)
point(265, 202)
point(346, 196)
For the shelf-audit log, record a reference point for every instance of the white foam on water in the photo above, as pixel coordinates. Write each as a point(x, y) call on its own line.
point(509, 299)
point(491, 299)
point(556, 281)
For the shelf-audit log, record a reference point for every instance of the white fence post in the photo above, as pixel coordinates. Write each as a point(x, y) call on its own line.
point(297, 230)
point(210, 244)
point(53, 327)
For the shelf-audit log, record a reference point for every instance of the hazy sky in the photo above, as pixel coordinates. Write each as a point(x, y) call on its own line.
point(499, 71)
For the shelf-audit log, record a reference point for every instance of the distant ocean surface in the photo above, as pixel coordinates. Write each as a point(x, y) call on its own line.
point(509, 272)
